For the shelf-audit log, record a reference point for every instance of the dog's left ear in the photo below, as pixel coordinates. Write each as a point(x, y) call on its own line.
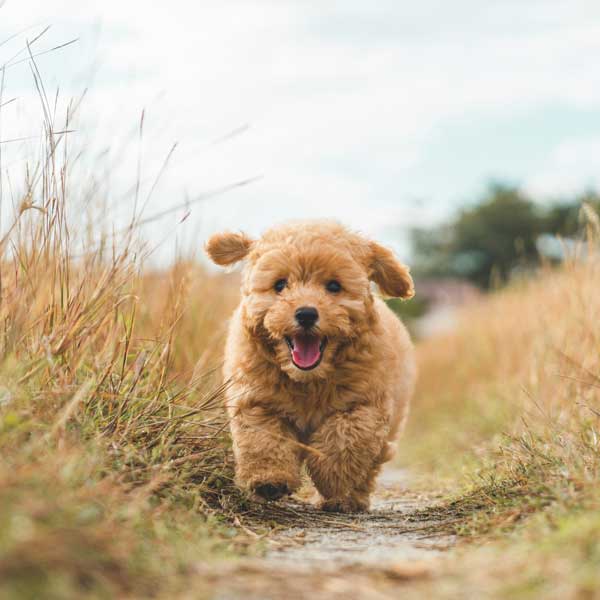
point(228, 248)
point(392, 277)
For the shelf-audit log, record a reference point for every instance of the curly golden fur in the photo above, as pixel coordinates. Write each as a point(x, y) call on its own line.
point(330, 393)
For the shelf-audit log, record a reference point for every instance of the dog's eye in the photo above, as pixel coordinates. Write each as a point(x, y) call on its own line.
point(333, 286)
point(280, 285)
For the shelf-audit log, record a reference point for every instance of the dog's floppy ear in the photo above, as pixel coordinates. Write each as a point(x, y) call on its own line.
point(228, 248)
point(392, 277)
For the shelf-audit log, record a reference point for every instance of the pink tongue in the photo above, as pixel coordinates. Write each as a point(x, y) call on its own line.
point(306, 350)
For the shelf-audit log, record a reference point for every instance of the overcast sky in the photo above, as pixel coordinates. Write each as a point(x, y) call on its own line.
point(380, 114)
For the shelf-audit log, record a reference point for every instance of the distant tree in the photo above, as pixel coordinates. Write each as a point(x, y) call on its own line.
point(484, 242)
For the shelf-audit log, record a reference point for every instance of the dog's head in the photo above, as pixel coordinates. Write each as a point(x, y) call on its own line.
point(306, 290)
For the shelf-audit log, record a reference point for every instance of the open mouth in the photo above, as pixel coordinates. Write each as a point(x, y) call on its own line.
point(306, 350)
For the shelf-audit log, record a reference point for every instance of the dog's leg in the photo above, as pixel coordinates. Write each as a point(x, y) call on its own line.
point(351, 448)
point(267, 454)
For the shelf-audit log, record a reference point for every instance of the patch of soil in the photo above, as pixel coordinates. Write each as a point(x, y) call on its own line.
point(313, 554)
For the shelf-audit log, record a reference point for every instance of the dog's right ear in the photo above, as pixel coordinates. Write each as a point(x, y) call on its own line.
point(228, 248)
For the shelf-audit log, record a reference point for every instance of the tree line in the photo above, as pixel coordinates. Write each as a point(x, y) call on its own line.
point(505, 233)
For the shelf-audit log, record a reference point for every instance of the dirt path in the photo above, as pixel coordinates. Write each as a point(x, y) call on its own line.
point(315, 555)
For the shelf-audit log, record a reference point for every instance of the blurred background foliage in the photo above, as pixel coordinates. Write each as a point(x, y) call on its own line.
point(505, 233)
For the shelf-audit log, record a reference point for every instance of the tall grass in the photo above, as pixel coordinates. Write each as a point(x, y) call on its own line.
point(113, 441)
point(507, 415)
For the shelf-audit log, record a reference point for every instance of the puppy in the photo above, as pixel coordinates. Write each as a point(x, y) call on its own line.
point(321, 371)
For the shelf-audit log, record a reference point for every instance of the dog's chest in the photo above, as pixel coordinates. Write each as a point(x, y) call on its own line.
point(306, 410)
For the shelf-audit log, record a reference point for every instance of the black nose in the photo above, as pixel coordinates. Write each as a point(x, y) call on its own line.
point(307, 316)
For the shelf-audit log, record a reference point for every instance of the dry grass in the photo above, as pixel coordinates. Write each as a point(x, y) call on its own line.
point(507, 412)
point(114, 445)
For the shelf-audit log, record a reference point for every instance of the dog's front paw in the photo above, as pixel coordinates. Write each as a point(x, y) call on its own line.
point(348, 504)
point(270, 486)
point(270, 490)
